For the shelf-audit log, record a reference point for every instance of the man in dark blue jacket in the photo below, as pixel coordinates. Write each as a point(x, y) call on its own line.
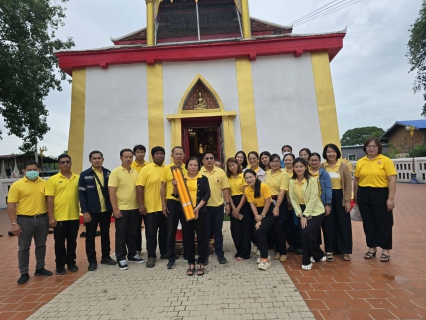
point(96, 208)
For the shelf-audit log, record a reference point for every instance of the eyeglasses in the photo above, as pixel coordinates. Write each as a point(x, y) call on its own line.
point(372, 147)
point(209, 158)
point(65, 162)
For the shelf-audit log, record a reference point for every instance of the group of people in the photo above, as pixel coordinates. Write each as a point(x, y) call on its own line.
point(280, 202)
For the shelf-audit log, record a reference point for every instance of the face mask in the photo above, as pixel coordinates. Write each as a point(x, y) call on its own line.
point(32, 175)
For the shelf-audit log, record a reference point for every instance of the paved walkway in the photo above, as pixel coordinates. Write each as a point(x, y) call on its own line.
point(360, 289)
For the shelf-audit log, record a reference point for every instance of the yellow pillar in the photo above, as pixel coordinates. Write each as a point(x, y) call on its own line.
point(245, 19)
point(150, 22)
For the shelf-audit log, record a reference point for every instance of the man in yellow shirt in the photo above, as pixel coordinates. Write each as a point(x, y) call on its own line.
point(123, 197)
point(148, 186)
point(26, 207)
point(171, 206)
point(219, 193)
point(62, 209)
point(139, 151)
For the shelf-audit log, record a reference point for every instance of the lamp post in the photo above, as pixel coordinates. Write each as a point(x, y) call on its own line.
point(411, 129)
point(42, 149)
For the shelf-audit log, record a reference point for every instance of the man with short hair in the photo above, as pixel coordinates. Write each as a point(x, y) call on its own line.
point(62, 209)
point(123, 197)
point(148, 186)
point(27, 210)
point(139, 151)
point(96, 208)
point(171, 205)
point(219, 193)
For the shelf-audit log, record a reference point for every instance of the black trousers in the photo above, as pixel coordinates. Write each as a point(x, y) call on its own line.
point(173, 217)
point(309, 234)
point(156, 222)
point(189, 229)
point(242, 230)
point(103, 219)
point(292, 231)
point(138, 238)
point(214, 222)
point(376, 219)
point(342, 229)
point(126, 229)
point(262, 232)
point(66, 231)
point(328, 231)
point(279, 228)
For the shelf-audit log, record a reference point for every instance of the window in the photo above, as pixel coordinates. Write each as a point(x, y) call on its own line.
point(424, 176)
point(409, 166)
point(399, 175)
point(403, 176)
point(352, 157)
point(405, 166)
point(397, 166)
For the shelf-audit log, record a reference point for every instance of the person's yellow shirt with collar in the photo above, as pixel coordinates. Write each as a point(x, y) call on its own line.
point(150, 179)
point(125, 182)
point(265, 193)
point(309, 189)
point(334, 173)
point(65, 196)
point(237, 184)
point(138, 167)
point(167, 178)
point(374, 173)
point(316, 175)
point(217, 181)
point(100, 175)
point(29, 196)
point(277, 181)
point(192, 185)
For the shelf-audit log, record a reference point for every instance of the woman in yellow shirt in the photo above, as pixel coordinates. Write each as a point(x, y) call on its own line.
point(242, 159)
point(259, 196)
point(305, 153)
point(264, 160)
point(303, 190)
point(253, 159)
point(374, 192)
point(199, 192)
point(339, 220)
point(241, 217)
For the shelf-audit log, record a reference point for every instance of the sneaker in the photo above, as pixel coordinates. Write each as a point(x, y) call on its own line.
point(164, 256)
point(264, 265)
point(92, 266)
point(137, 259)
point(222, 260)
point(322, 259)
point(283, 258)
point(72, 267)
point(122, 265)
point(307, 266)
point(184, 259)
point(23, 278)
point(171, 264)
point(60, 270)
point(254, 249)
point(139, 254)
point(150, 263)
point(42, 272)
point(259, 260)
point(109, 261)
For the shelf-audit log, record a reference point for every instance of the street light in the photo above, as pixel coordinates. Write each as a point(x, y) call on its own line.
point(411, 129)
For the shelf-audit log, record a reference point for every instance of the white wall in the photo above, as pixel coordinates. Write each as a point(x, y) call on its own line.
point(116, 111)
point(285, 102)
point(221, 74)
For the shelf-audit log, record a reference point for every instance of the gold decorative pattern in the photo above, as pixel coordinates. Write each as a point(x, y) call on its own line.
point(193, 96)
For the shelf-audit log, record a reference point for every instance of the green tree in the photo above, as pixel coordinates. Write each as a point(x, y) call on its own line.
point(417, 52)
point(357, 136)
point(28, 65)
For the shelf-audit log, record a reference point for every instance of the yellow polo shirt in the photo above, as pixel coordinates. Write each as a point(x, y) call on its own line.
point(100, 175)
point(277, 181)
point(29, 195)
point(298, 190)
point(65, 196)
point(167, 178)
point(192, 186)
point(374, 173)
point(237, 184)
point(138, 167)
point(316, 176)
point(265, 193)
point(334, 172)
point(217, 181)
point(150, 179)
point(125, 182)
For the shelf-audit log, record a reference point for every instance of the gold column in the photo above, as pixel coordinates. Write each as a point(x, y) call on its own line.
point(150, 22)
point(228, 137)
point(245, 19)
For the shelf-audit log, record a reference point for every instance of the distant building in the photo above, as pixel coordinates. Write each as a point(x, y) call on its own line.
point(399, 136)
point(8, 161)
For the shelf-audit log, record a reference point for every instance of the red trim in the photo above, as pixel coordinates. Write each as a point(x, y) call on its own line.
point(332, 43)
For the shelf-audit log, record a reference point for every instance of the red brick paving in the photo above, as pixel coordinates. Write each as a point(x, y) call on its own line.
point(359, 289)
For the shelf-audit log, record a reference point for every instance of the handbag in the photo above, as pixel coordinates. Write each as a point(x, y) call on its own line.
point(356, 214)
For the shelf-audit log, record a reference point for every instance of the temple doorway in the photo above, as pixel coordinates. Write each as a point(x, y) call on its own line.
point(202, 134)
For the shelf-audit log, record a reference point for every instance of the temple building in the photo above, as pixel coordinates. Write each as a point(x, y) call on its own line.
point(205, 75)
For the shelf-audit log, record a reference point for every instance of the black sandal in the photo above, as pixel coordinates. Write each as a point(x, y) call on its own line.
point(369, 255)
point(384, 257)
point(200, 270)
point(190, 272)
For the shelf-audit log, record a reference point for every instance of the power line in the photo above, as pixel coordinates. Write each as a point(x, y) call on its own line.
point(309, 14)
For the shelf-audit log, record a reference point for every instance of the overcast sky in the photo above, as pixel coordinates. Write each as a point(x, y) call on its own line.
point(372, 85)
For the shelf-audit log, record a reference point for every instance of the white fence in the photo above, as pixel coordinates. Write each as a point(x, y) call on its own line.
point(404, 169)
